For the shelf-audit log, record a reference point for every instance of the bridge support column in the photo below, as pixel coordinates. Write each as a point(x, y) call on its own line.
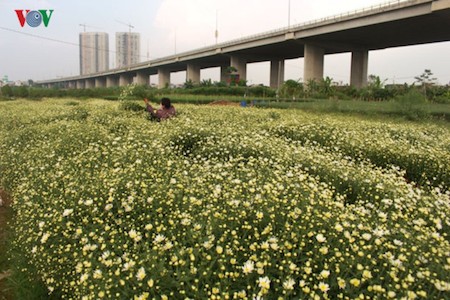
point(72, 84)
point(163, 78)
point(111, 81)
point(193, 73)
point(80, 84)
point(100, 82)
point(142, 78)
point(241, 65)
point(360, 62)
point(276, 73)
point(89, 83)
point(125, 79)
point(314, 57)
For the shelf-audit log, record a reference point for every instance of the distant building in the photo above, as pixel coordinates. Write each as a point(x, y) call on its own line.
point(94, 52)
point(128, 48)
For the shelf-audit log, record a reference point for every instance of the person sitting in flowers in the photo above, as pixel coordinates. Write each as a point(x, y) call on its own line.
point(166, 111)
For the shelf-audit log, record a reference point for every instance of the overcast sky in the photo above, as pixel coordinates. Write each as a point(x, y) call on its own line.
point(174, 26)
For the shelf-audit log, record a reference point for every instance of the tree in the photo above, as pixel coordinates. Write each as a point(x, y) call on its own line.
point(233, 75)
point(230, 70)
point(7, 91)
point(290, 89)
point(375, 89)
point(375, 82)
point(426, 79)
point(326, 86)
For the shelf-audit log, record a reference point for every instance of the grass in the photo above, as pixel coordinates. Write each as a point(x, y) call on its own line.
point(386, 109)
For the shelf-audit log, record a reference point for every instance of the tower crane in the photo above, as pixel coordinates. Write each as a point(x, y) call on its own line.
point(127, 24)
point(84, 25)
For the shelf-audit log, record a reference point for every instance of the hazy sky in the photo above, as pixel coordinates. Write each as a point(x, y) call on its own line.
point(174, 26)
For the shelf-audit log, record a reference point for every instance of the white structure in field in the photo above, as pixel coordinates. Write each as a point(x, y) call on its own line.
point(128, 48)
point(94, 52)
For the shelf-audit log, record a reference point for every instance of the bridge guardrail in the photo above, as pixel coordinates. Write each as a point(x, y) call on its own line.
point(374, 8)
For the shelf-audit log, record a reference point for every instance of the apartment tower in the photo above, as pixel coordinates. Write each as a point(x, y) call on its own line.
point(94, 52)
point(128, 48)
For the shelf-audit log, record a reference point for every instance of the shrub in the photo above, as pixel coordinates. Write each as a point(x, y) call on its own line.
point(7, 91)
point(131, 106)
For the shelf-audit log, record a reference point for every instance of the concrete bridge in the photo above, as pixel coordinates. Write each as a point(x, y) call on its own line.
point(394, 24)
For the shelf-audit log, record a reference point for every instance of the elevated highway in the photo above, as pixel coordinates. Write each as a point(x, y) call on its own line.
point(393, 24)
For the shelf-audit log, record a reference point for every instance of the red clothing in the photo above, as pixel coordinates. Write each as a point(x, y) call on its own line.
point(162, 113)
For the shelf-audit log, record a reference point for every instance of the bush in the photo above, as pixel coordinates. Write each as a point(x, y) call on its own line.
point(130, 106)
point(7, 91)
point(445, 99)
point(20, 91)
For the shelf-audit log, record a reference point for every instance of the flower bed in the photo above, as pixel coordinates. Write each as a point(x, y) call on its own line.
point(217, 204)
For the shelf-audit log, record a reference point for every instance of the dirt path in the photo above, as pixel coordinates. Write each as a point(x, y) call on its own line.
point(5, 215)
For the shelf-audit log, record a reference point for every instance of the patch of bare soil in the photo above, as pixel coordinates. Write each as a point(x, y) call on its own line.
point(224, 102)
point(5, 215)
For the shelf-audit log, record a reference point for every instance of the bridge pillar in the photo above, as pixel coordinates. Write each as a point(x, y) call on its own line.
point(163, 78)
point(314, 57)
point(142, 78)
point(125, 79)
point(241, 65)
point(89, 83)
point(276, 73)
point(112, 81)
point(100, 82)
point(360, 62)
point(72, 84)
point(80, 84)
point(193, 73)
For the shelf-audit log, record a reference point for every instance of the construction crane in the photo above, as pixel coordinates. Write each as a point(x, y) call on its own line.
point(127, 24)
point(84, 25)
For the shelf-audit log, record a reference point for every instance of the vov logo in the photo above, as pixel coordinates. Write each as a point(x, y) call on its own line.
point(34, 18)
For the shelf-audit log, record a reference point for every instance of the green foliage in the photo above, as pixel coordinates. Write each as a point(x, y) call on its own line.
point(375, 82)
point(141, 91)
point(24, 282)
point(21, 92)
point(220, 84)
point(230, 70)
point(188, 84)
point(413, 105)
point(443, 99)
point(206, 83)
point(375, 90)
point(7, 91)
point(326, 87)
point(131, 106)
point(291, 89)
point(254, 91)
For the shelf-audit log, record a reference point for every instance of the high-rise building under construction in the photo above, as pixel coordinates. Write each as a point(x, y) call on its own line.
point(94, 52)
point(128, 48)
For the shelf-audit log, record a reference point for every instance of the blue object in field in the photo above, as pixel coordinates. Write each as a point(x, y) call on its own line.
point(244, 103)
